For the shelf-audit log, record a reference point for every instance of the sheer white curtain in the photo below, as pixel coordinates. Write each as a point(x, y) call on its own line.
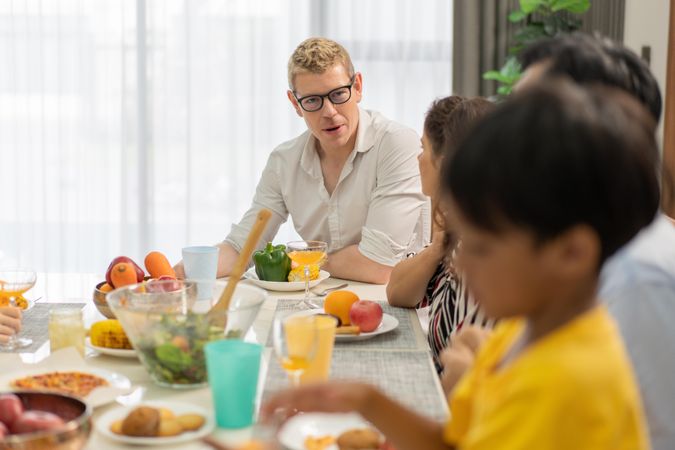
point(132, 125)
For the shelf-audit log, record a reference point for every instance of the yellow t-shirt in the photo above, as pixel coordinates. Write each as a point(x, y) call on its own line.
point(573, 389)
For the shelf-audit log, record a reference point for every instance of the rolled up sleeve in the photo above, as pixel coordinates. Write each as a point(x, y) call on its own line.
point(397, 215)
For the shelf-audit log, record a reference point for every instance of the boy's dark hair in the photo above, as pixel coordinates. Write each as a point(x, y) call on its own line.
point(555, 156)
point(450, 118)
point(589, 59)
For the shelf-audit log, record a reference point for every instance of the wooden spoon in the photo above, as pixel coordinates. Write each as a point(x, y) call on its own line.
point(241, 263)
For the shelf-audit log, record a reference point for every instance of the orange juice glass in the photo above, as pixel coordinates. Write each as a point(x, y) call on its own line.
point(319, 367)
point(306, 254)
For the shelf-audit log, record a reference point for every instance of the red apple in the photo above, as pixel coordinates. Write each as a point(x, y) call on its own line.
point(11, 409)
point(366, 314)
point(3, 431)
point(32, 421)
point(139, 272)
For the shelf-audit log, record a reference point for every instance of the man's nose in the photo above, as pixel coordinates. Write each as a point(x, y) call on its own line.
point(329, 109)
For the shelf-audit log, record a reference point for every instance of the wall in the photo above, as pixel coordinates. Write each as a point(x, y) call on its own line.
point(647, 24)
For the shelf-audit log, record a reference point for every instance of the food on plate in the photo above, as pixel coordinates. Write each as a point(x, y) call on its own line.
point(15, 420)
point(298, 273)
point(157, 265)
point(359, 439)
point(338, 303)
point(141, 422)
point(366, 314)
point(349, 329)
point(147, 421)
point(109, 334)
point(272, 263)
point(31, 421)
point(191, 422)
point(123, 259)
point(319, 442)
point(78, 384)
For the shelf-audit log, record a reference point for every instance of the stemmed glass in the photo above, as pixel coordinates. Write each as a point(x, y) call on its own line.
point(295, 343)
point(13, 283)
point(307, 254)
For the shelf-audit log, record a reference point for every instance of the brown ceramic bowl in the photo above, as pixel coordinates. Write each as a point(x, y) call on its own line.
point(72, 436)
point(100, 301)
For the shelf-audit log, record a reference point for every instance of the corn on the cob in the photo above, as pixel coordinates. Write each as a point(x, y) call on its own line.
point(109, 334)
point(298, 274)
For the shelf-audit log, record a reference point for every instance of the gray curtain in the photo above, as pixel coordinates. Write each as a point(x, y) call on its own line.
point(482, 35)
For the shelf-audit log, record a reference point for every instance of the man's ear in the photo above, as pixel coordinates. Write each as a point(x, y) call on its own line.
point(294, 102)
point(357, 87)
point(576, 252)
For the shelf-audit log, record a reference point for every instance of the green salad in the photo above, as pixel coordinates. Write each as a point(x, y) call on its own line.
point(173, 348)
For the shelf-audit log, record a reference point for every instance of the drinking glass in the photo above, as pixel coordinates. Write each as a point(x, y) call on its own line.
point(307, 254)
point(66, 329)
point(13, 284)
point(296, 340)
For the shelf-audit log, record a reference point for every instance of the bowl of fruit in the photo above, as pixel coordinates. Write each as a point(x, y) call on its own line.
point(169, 324)
point(123, 271)
point(40, 420)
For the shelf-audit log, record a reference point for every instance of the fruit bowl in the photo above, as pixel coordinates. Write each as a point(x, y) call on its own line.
point(169, 325)
point(100, 301)
point(72, 436)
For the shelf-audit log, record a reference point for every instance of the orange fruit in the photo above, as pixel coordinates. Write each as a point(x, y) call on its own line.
point(338, 304)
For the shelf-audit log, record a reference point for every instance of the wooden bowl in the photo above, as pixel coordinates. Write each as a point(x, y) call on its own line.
point(100, 301)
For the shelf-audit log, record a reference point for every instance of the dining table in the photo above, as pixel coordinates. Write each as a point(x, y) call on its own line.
point(398, 362)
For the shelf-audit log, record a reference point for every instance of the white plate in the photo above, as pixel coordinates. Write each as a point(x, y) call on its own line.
point(294, 432)
point(117, 384)
point(120, 352)
point(388, 323)
point(285, 286)
point(103, 423)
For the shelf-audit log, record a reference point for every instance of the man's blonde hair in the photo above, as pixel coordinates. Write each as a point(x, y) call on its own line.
point(316, 55)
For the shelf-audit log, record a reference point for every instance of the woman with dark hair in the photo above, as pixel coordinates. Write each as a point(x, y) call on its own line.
point(429, 278)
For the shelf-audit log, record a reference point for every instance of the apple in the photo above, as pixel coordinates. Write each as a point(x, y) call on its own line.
point(31, 421)
point(366, 314)
point(124, 259)
point(168, 286)
point(3, 431)
point(11, 409)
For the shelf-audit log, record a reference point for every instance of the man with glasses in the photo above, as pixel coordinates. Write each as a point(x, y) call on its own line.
point(350, 180)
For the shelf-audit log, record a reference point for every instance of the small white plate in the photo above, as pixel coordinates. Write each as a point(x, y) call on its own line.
point(285, 286)
point(117, 384)
point(119, 352)
point(104, 422)
point(294, 432)
point(388, 323)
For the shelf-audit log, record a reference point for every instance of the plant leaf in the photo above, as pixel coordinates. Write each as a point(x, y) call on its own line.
point(573, 6)
point(528, 6)
point(517, 16)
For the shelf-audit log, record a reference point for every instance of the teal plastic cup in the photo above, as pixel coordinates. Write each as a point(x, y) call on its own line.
point(233, 367)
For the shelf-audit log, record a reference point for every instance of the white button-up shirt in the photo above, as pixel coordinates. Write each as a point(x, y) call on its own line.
point(377, 202)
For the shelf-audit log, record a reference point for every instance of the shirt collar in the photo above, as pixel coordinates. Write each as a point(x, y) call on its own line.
point(365, 140)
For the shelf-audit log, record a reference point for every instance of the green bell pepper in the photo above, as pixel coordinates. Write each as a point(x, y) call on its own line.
point(272, 263)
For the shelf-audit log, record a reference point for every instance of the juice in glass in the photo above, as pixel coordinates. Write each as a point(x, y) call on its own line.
point(319, 367)
point(66, 329)
point(307, 258)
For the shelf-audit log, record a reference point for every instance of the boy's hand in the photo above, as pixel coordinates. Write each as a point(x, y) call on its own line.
point(459, 357)
point(325, 397)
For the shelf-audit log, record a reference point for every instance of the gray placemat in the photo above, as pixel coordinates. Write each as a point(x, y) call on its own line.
point(403, 337)
point(407, 376)
point(35, 324)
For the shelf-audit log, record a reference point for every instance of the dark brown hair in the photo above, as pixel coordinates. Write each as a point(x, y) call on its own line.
point(447, 121)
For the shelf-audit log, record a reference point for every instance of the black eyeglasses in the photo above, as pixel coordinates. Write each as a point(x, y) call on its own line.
point(337, 96)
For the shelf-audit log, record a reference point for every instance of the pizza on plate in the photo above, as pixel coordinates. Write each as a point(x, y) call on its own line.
point(78, 384)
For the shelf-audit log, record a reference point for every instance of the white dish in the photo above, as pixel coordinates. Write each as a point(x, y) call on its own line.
point(104, 422)
point(294, 432)
point(388, 323)
point(119, 352)
point(285, 286)
point(117, 384)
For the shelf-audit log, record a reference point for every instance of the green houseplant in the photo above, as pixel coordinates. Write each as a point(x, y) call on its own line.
point(539, 19)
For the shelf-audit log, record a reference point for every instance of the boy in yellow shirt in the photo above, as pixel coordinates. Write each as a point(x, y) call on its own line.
point(540, 193)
